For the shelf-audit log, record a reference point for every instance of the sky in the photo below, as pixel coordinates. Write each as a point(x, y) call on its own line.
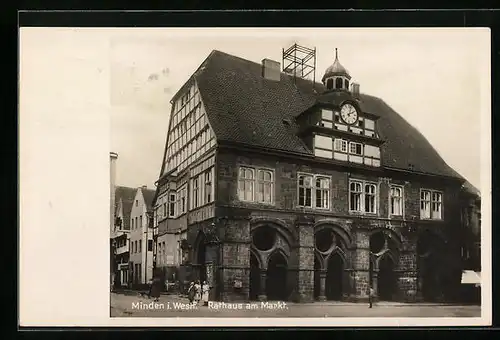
point(432, 77)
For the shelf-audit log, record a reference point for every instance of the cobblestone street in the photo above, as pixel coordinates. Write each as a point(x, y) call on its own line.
point(175, 306)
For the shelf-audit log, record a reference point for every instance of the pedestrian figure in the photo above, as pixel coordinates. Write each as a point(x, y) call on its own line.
point(371, 295)
point(191, 292)
point(197, 292)
point(205, 289)
point(156, 288)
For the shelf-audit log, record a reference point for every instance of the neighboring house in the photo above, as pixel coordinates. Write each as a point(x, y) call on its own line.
point(471, 243)
point(285, 189)
point(141, 237)
point(124, 198)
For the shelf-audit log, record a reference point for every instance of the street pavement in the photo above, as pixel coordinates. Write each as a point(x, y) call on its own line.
point(129, 305)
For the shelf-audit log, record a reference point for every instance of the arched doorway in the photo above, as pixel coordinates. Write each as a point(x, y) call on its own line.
point(334, 273)
point(277, 271)
point(201, 258)
point(386, 279)
point(317, 278)
point(254, 278)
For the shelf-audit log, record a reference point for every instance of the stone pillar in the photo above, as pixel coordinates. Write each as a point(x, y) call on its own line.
point(305, 258)
point(361, 265)
point(263, 278)
point(407, 280)
point(375, 282)
point(235, 262)
point(322, 285)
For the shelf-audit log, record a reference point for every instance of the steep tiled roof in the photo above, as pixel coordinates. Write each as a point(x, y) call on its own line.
point(126, 195)
point(469, 188)
point(149, 195)
point(245, 108)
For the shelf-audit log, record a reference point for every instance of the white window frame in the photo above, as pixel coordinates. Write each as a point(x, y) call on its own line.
point(431, 202)
point(362, 197)
point(353, 153)
point(305, 187)
point(393, 197)
point(314, 189)
point(264, 183)
point(172, 204)
point(195, 193)
point(247, 181)
point(324, 191)
point(343, 145)
point(426, 203)
point(182, 194)
point(208, 183)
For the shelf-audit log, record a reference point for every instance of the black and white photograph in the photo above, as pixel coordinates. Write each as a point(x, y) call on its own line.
point(339, 175)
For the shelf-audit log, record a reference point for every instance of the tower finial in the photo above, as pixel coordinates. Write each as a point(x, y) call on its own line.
point(336, 53)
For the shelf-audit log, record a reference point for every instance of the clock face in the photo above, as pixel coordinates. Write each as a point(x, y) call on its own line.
point(349, 114)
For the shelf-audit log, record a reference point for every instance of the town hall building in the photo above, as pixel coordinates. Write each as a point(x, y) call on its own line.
point(285, 188)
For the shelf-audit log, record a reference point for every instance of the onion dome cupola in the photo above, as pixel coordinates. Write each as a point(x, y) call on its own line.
point(336, 76)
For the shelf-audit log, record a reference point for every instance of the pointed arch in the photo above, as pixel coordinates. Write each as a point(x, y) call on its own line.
point(276, 252)
point(198, 243)
point(338, 228)
point(337, 251)
point(387, 254)
point(319, 257)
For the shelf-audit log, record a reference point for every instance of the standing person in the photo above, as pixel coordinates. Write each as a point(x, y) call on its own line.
point(191, 292)
point(197, 292)
point(156, 288)
point(371, 295)
point(205, 289)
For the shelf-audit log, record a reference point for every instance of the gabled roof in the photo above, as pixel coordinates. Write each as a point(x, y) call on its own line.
point(127, 196)
point(149, 195)
point(243, 107)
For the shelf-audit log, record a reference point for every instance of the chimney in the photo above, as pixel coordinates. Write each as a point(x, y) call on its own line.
point(271, 69)
point(144, 187)
point(355, 90)
point(112, 168)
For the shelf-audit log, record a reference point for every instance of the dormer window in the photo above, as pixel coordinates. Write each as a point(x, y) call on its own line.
point(346, 86)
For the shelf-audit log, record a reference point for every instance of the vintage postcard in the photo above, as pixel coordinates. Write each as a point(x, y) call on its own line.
point(315, 177)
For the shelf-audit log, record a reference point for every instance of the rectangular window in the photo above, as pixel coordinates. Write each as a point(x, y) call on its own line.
point(150, 245)
point(172, 199)
point(305, 190)
point(132, 224)
point(396, 200)
point(183, 200)
point(370, 198)
point(437, 204)
point(355, 148)
point(355, 194)
point(363, 197)
point(425, 204)
point(264, 191)
point(322, 186)
point(340, 145)
point(246, 183)
point(164, 210)
point(196, 193)
point(140, 221)
point(136, 225)
point(208, 187)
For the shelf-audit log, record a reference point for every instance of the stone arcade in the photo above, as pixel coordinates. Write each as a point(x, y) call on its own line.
point(281, 189)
